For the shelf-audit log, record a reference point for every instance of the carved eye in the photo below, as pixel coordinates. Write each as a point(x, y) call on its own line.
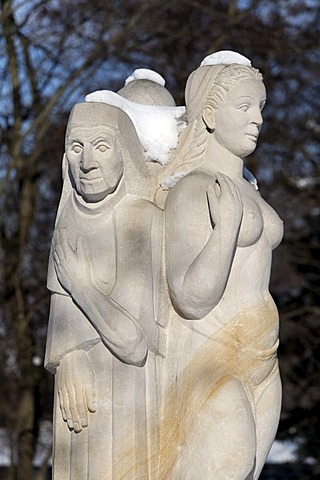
point(77, 148)
point(262, 105)
point(102, 147)
point(244, 108)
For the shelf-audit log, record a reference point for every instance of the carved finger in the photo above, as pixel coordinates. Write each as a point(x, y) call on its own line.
point(80, 248)
point(239, 199)
point(64, 242)
point(56, 257)
point(230, 189)
point(73, 413)
point(64, 237)
point(68, 417)
point(211, 193)
point(90, 393)
point(212, 200)
point(59, 250)
point(82, 407)
point(217, 187)
point(62, 407)
point(226, 184)
point(67, 412)
point(57, 240)
point(234, 190)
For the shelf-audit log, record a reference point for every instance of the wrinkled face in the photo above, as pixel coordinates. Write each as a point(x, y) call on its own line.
point(238, 118)
point(95, 161)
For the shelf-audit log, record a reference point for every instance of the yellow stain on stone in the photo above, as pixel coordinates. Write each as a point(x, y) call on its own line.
point(243, 348)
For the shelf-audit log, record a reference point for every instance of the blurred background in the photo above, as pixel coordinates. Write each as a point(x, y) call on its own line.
point(54, 52)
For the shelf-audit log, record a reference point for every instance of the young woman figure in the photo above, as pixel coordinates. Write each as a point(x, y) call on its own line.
point(226, 392)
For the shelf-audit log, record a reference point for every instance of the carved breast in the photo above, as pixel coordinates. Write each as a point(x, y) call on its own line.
point(258, 217)
point(273, 224)
point(98, 232)
point(102, 255)
point(252, 223)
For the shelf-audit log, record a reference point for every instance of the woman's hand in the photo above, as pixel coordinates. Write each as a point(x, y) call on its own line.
point(225, 204)
point(71, 263)
point(76, 389)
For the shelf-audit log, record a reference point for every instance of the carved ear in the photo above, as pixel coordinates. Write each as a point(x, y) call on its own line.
point(209, 118)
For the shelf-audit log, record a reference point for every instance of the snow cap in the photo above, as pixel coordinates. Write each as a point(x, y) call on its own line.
point(157, 127)
point(146, 87)
point(146, 74)
point(225, 57)
point(201, 80)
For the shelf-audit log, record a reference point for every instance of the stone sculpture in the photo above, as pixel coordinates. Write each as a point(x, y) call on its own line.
point(219, 237)
point(165, 358)
point(106, 293)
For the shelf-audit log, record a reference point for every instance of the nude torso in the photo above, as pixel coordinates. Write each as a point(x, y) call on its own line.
point(241, 333)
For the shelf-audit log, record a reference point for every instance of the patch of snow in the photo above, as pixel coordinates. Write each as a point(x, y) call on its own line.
point(44, 444)
point(303, 182)
point(5, 452)
point(286, 452)
point(282, 452)
point(172, 180)
point(226, 57)
point(146, 74)
point(43, 447)
point(37, 361)
point(250, 177)
point(315, 211)
point(158, 127)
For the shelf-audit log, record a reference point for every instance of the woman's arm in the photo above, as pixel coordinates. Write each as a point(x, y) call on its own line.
point(203, 217)
point(117, 328)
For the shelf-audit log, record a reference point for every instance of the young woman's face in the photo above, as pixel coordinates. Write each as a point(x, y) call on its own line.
point(238, 118)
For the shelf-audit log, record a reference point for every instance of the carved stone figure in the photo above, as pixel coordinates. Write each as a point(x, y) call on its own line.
point(104, 334)
point(224, 392)
point(147, 87)
point(165, 359)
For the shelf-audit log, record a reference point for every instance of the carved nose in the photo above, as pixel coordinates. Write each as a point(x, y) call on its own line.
point(257, 117)
point(87, 162)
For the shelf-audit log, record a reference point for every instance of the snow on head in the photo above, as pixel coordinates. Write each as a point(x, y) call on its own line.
point(146, 74)
point(157, 127)
point(226, 57)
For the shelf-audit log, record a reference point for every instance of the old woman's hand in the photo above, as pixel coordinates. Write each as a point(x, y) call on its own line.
point(76, 389)
point(71, 263)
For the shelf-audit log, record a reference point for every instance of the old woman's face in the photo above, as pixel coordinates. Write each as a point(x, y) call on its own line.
point(238, 118)
point(95, 161)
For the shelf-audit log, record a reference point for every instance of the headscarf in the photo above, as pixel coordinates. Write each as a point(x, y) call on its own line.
point(198, 87)
point(137, 176)
point(201, 80)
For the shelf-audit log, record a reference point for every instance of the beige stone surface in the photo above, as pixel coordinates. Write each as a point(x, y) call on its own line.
point(162, 334)
point(105, 278)
point(219, 238)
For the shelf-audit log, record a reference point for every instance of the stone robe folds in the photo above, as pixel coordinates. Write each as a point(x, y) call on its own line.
point(121, 440)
